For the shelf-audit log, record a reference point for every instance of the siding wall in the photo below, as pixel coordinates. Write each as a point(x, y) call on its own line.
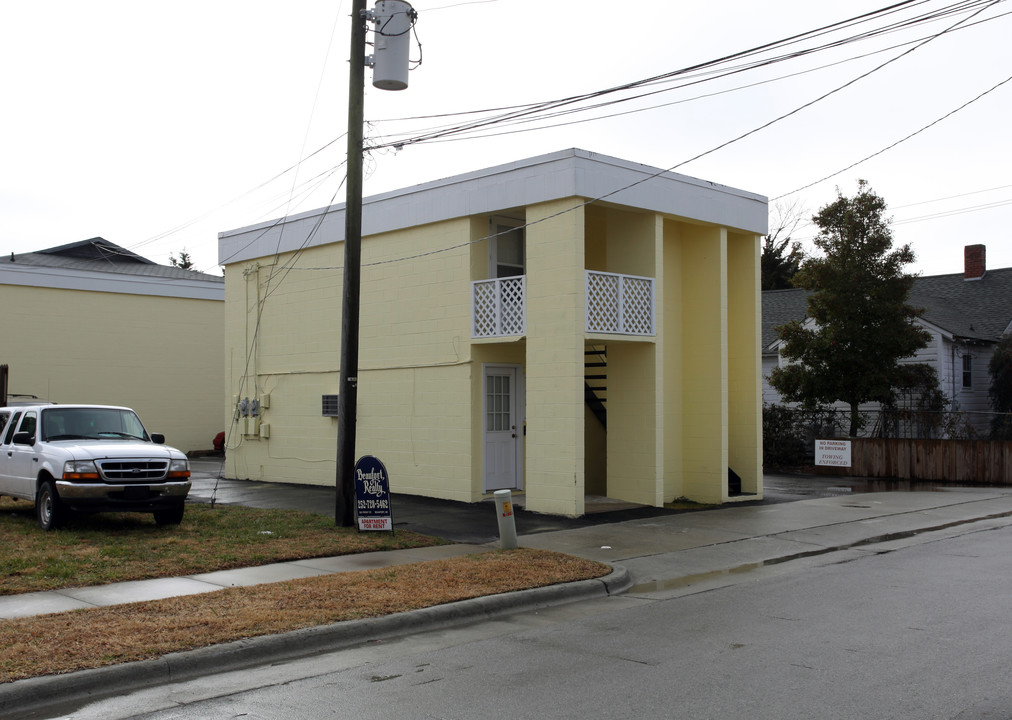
point(414, 397)
point(159, 355)
point(671, 418)
point(942, 354)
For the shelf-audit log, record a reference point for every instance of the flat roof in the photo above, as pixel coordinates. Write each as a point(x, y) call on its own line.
point(562, 174)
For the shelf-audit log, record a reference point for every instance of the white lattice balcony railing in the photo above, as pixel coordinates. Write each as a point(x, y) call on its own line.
point(620, 304)
point(499, 307)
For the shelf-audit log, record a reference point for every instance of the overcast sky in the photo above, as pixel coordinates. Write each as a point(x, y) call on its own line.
point(158, 125)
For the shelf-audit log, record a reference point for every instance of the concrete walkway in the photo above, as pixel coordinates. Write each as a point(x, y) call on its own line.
point(653, 552)
point(664, 548)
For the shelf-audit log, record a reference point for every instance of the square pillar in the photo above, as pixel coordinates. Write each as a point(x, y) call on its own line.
point(555, 333)
point(704, 363)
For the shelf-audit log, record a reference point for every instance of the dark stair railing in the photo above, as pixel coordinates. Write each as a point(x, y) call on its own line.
point(595, 378)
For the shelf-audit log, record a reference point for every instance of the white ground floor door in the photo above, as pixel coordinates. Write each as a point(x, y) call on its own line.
point(502, 403)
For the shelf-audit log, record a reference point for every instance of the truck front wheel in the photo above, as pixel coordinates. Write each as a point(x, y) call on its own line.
point(49, 511)
point(170, 516)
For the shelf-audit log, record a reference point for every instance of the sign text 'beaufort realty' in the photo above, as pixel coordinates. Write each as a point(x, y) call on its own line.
point(372, 495)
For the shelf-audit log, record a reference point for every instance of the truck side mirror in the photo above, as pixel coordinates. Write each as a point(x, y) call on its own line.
point(23, 438)
point(158, 438)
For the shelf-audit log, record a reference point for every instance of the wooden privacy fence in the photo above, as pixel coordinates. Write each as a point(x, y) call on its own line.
point(986, 462)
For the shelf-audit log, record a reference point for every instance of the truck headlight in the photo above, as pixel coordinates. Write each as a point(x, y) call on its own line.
point(179, 468)
point(80, 470)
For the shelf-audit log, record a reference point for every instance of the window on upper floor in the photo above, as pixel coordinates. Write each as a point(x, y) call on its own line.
point(507, 254)
point(968, 371)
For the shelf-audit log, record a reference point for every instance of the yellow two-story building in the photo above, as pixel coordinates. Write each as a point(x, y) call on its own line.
point(564, 326)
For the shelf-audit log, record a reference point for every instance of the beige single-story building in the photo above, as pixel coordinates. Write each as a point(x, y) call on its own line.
point(92, 322)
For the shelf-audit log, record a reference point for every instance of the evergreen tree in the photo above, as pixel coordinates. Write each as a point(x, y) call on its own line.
point(862, 323)
point(183, 261)
point(1000, 368)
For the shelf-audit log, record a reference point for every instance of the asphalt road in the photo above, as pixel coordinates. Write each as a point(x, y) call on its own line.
point(918, 628)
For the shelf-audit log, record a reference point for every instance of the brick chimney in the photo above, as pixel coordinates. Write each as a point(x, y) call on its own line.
point(974, 264)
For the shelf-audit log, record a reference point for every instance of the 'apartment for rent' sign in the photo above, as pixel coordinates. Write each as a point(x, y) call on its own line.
point(835, 453)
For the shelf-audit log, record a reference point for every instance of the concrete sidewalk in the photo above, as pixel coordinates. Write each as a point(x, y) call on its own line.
point(677, 550)
point(654, 553)
point(655, 548)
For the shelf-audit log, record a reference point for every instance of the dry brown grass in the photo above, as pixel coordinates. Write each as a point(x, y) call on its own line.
point(116, 547)
point(69, 641)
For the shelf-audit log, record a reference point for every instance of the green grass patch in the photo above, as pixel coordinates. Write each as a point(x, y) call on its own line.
point(116, 547)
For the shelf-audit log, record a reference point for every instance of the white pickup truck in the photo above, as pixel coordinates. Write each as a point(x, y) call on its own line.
point(89, 458)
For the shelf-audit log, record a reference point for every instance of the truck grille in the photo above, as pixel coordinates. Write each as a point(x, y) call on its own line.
point(133, 470)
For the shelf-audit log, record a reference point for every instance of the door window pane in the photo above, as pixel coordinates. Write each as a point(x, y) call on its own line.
point(497, 403)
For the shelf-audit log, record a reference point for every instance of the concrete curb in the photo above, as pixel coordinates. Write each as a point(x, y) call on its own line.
point(35, 696)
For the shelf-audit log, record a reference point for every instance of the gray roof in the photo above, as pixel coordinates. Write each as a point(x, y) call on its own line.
point(968, 309)
point(100, 255)
point(972, 309)
point(779, 308)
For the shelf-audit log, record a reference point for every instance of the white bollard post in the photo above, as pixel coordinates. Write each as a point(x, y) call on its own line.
point(507, 525)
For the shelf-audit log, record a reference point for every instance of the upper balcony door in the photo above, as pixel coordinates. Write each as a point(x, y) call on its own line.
point(507, 254)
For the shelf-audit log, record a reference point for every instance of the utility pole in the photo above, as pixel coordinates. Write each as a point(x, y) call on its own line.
point(396, 18)
point(347, 407)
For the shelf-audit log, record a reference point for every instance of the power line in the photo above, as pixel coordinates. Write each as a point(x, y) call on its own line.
point(527, 110)
point(485, 135)
point(958, 211)
point(537, 111)
point(901, 140)
point(523, 113)
point(714, 149)
point(950, 197)
point(207, 214)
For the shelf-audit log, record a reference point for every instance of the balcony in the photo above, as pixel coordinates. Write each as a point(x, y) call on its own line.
point(616, 305)
point(499, 307)
point(620, 304)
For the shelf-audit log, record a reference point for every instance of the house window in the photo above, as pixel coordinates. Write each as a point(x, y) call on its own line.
point(968, 371)
point(506, 248)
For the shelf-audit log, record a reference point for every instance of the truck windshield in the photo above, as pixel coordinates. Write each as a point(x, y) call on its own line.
point(91, 424)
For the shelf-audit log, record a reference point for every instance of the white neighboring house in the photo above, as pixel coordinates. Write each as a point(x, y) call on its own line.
point(966, 313)
point(93, 323)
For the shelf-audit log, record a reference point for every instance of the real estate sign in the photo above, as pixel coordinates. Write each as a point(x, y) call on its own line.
point(372, 495)
point(834, 453)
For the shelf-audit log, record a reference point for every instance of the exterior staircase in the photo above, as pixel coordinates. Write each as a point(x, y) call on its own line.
point(595, 381)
